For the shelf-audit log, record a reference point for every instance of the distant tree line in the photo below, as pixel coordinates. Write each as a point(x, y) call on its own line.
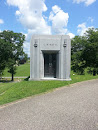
point(84, 52)
point(11, 50)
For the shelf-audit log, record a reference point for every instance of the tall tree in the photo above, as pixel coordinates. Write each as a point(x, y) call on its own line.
point(77, 47)
point(4, 54)
point(85, 52)
point(90, 52)
point(14, 43)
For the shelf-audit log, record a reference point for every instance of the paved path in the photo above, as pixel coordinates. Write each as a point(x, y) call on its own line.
point(67, 108)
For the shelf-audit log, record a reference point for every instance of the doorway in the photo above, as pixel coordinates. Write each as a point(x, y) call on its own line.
point(50, 65)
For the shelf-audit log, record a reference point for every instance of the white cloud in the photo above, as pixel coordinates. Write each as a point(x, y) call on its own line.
point(59, 20)
point(71, 35)
point(18, 12)
point(26, 46)
point(87, 2)
point(1, 21)
point(56, 9)
point(30, 15)
point(82, 29)
point(90, 19)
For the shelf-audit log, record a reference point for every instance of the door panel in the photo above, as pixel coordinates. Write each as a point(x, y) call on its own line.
point(50, 65)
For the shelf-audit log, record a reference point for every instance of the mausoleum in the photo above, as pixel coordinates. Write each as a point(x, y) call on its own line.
point(50, 57)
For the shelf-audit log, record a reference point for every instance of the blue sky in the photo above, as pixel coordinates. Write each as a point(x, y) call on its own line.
point(72, 17)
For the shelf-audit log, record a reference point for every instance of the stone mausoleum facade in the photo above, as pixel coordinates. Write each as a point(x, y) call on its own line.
point(50, 57)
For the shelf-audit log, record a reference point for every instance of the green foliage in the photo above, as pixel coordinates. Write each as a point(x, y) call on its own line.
point(92, 70)
point(90, 53)
point(23, 59)
point(77, 44)
point(12, 44)
point(25, 56)
point(78, 63)
point(85, 52)
point(4, 54)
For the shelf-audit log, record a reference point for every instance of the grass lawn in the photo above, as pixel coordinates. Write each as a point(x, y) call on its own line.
point(22, 70)
point(13, 91)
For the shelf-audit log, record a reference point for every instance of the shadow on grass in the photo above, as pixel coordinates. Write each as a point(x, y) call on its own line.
point(27, 79)
point(5, 81)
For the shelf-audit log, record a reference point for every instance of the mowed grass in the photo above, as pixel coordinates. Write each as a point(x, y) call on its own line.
point(10, 92)
point(22, 70)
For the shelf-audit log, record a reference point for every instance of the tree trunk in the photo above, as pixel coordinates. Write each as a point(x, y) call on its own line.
point(12, 77)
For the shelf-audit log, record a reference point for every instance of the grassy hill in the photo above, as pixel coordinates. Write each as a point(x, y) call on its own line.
point(14, 91)
point(22, 70)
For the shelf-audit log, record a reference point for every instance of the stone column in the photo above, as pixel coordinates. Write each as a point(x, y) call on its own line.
point(34, 59)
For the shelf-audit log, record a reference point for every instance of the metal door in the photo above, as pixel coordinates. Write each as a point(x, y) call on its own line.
point(49, 65)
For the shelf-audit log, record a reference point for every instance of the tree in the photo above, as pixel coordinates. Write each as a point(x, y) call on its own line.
point(90, 52)
point(77, 44)
point(78, 63)
point(77, 47)
point(85, 52)
point(23, 59)
point(14, 43)
point(4, 54)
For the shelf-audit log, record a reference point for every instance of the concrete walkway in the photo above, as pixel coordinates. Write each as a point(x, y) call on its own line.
point(66, 108)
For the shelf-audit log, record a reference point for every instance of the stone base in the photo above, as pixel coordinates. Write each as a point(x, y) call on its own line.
point(49, 79)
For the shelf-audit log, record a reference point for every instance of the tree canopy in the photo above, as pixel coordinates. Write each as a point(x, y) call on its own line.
point(85, 52)
point(11, 48)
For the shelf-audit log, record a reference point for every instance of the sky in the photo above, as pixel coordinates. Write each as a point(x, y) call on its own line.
point(71, 17)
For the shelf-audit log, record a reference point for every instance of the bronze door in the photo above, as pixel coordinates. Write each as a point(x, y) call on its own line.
point(50, 65)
